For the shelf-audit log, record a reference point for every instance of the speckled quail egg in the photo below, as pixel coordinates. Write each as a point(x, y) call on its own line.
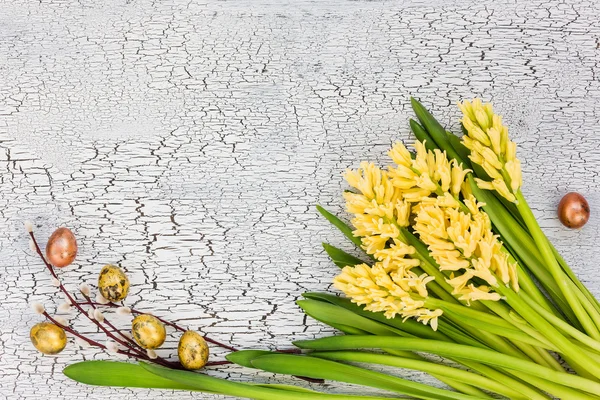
point(113, 283)
point(48, 338)
point(192, 350)
point(148, 331)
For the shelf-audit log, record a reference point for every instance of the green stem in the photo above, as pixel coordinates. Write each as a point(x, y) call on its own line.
point(574, 278)
point(226, 387)
point(554, 268)
point(562, 325)
point(420, 365)
point(542, 325)
point(452, 350)
point(522, 243)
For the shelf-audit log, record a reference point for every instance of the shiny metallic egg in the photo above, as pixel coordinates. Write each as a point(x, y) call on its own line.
point(148, 331)
point(113, 284)
point(48, 338)
point(193, 350)
point(61, 248)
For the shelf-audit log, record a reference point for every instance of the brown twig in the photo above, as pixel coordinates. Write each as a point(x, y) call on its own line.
point(135, 351)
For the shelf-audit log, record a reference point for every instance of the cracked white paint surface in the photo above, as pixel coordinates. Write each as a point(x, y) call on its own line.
point(188, 142)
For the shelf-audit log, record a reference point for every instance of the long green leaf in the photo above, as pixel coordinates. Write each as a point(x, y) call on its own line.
point(452, 350)
point(205, 383)
point(244, 357)
point(460, 149)
point(341, 225)
point(409, 326)
point(419, 365)
point(422, 135)
point(119, 374)
point(325, 369)
point(329, 313)
point(340, 257)
point(435, 129)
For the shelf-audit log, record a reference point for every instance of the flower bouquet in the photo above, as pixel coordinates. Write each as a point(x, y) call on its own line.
point(455, 279)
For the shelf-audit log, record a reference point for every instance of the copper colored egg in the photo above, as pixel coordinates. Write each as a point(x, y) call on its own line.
point(573, 210)
point(61, 248)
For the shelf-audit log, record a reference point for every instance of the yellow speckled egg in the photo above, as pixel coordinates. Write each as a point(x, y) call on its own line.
point(48, 338)
point(192, 350)
point(148, 331)
point(113, 283)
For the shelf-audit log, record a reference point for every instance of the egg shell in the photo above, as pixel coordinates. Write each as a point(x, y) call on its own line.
point(148, 331)
point(48, 338)
point(61, 248)
point(193, 350)
point(113, 284)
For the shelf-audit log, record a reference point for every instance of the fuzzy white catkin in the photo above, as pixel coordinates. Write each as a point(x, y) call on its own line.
point(91, 313)
point(64, 308)
point(127, 335)
point(101, 299)
point(82, 343)
point(112, 347)
point(85, 289)
point(152, 354)
point(123, 311)
point(32, 246)
point(61, 320)
point(98, 316)
point(28, 226)
point(38, 308)
point(55, 282)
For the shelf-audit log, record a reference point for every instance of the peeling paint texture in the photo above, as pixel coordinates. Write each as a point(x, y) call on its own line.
point(188, 142)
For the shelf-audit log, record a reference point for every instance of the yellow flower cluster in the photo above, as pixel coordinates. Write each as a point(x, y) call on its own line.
point(381, 288)
point(490, 147)
point(463, 242)
point(428, 173)
point(389, 285)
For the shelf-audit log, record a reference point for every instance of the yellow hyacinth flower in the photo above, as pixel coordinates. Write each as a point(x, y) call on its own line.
point(463, 242)
point(386, 288)
point(487, 139)
point(429, 173)
point(379, 210)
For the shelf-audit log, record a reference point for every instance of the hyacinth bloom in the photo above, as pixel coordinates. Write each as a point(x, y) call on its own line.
point(389, 285)
point(491, 149)
point(428, 173)
point(464, 244)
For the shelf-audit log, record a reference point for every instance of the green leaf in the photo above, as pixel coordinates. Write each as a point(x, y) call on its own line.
point(410, 326)
point(341, 225)
point(340, 257)
point(444, 349)
point(422, 135)
point(244, 357)
point(119, 374)
point(208, 383)
point(325, 369)
point(332, 314)
point(435, 129)
point(460, 149)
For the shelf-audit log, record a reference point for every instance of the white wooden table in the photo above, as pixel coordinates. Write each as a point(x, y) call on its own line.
point(188, 142)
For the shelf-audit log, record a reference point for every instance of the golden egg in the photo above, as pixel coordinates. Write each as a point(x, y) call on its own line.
point(148, 331)
point(192, 350)
point(48, 338)
point(113, 283)
point(61, 248)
